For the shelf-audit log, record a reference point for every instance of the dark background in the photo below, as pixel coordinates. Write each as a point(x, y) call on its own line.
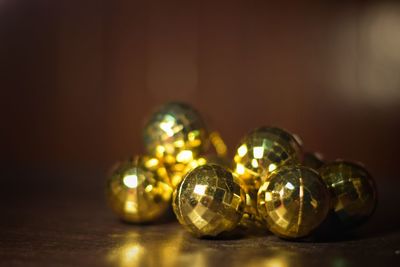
point(78, 78)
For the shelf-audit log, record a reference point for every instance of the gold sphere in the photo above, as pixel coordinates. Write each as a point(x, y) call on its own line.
point(353, 191)
point(262, 151)
point(137, 191)
point(294, 201)
point(176, 134)
point(209, 201)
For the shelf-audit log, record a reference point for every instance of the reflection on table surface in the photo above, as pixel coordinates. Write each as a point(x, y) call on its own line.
point(169, 245)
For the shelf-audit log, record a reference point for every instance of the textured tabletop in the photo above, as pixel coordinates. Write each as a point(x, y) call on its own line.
point(62, 220)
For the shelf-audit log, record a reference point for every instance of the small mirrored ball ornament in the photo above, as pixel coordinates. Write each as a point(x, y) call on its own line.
point(262, 151)
point(209, 201)
point(353, 192)
point(294, 201)
point(137, 191)
point(176, 134)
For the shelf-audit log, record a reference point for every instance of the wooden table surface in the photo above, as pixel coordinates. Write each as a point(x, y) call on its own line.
point(60, 218)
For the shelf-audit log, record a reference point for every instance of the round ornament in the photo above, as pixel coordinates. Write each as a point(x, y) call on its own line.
point(176, 134)
point(293, 202)
point(209, 201)
point(137, 190)
point(353, 191)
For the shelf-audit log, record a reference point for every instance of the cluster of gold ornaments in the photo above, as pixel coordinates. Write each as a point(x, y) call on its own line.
point(270, 184)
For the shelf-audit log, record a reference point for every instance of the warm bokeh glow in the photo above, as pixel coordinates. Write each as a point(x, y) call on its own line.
point(131, 180)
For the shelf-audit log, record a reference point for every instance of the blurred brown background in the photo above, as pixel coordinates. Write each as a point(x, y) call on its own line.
point(79, 77)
